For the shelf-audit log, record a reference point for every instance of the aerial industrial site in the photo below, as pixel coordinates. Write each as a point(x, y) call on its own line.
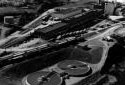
point(62, 42)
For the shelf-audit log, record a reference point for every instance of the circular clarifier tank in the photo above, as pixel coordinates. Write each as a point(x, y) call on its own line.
point(74, 68)
point(43, 78)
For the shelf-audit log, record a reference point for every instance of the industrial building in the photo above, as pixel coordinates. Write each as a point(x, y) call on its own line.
point(70, 42)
